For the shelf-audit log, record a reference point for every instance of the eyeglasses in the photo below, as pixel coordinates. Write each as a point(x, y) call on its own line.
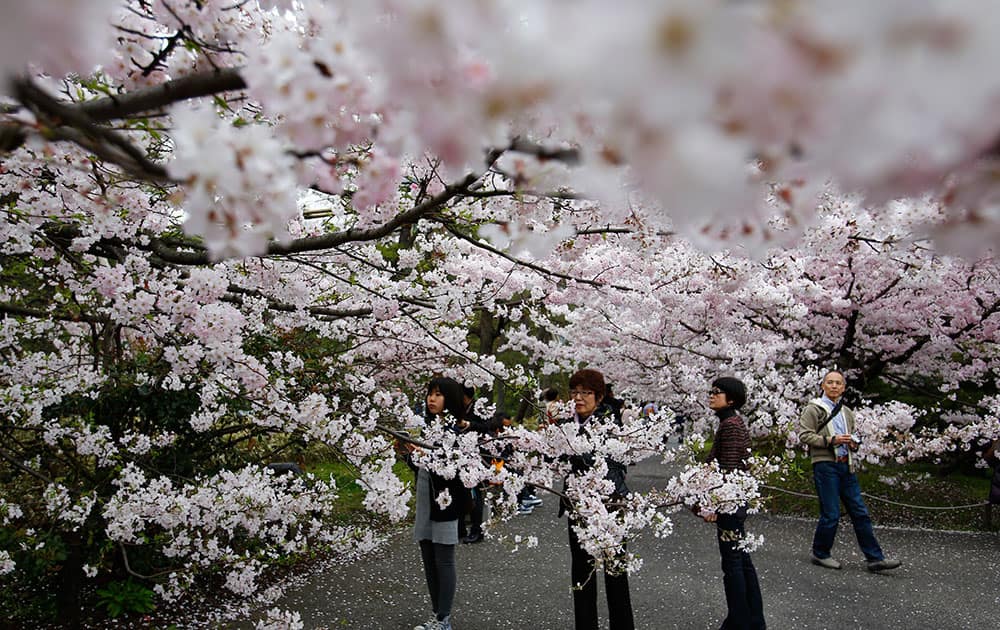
point(580, 393)
point(715, 391)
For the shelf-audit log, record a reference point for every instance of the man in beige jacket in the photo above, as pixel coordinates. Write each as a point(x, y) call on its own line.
point(827, 427)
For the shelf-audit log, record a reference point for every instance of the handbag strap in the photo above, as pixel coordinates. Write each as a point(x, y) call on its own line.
point(830, 416)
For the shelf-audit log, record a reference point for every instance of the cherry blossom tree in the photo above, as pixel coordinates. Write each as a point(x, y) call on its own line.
point(862, 292)
point(236, 230)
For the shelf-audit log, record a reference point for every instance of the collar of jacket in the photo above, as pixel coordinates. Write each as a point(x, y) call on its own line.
point(603, 411)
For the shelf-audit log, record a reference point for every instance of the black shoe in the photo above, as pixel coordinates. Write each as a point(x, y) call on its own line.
point(473, 538)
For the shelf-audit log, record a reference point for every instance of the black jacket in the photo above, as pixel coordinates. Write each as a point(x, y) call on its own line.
point(585, 461)
point(461, 497)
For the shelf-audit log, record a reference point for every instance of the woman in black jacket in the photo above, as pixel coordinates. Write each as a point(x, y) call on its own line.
point(435, 527)
point(587, 392)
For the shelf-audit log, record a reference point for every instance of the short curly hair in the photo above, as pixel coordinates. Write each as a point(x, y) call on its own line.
point(589, 379)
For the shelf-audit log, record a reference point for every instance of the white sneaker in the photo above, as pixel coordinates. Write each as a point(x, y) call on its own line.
point(434, 624)
point(524, 508)
point(532, 501)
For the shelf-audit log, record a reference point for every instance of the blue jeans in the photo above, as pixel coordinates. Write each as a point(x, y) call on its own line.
point(745, 608)
point(835, 483)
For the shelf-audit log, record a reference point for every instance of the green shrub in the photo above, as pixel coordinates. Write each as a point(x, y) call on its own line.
point(126, 597)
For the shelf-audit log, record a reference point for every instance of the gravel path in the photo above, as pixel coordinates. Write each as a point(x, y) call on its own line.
point(948, 580)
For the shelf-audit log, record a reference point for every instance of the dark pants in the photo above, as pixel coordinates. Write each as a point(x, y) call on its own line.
point(442, 578)
point(475, 516)
point(585, 596)
point(835, 483)
point(743, 600)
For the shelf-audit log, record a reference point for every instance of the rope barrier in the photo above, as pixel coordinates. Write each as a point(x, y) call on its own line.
point(926, 507)
point(884, 500)
point(792, 492)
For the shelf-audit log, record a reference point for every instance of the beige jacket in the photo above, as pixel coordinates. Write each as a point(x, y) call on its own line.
point(820, 443)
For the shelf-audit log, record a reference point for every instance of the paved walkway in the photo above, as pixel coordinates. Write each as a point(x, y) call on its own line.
point(948, 580)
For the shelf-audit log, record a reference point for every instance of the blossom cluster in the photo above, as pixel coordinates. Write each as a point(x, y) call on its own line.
point(202, 523)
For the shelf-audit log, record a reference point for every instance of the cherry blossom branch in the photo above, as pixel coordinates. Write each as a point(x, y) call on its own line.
point(13, 309)
point(132, 159)
point(325, 271)
point(415, 320)
point(569, 156)
point(16, 462)
point(671, 346)
point(879, 364)
point(274, 305)
point(490, 194)
point(128, 567)
point(409, 439)
point(537, 268)
point(403, 436)
point(334, 239)
point(167, 93)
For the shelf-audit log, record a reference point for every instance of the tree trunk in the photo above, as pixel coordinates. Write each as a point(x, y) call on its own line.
point(70, 583)
point(487, 338)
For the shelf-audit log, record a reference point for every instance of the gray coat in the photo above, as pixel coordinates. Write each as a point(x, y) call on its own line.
point(820, 442)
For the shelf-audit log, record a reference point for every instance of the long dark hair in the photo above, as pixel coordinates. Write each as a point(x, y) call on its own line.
point(452, 391)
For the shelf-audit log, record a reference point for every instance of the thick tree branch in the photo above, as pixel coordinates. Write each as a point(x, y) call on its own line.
point(290, 308)
point(16, 462)
point(328, 241)
point(23, 311)
point(61, 115)
point(159, 96)
point(569, 156)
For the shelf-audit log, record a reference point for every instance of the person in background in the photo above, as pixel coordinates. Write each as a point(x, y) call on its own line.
point(992, 457)
point(552, 404)
point(826, 425)
point(731, 447)
point(527, 499)
point(473, 533)
point(616, 404)
point(630, 413)
point(649, 408)
point(680, 421)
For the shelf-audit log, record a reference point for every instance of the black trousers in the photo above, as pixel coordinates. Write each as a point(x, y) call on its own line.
point(475, 516)
point(585, 595)
point(739, 576)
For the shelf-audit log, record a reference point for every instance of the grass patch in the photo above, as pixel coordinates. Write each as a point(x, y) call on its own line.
point(912, 484)
point(349, 508)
